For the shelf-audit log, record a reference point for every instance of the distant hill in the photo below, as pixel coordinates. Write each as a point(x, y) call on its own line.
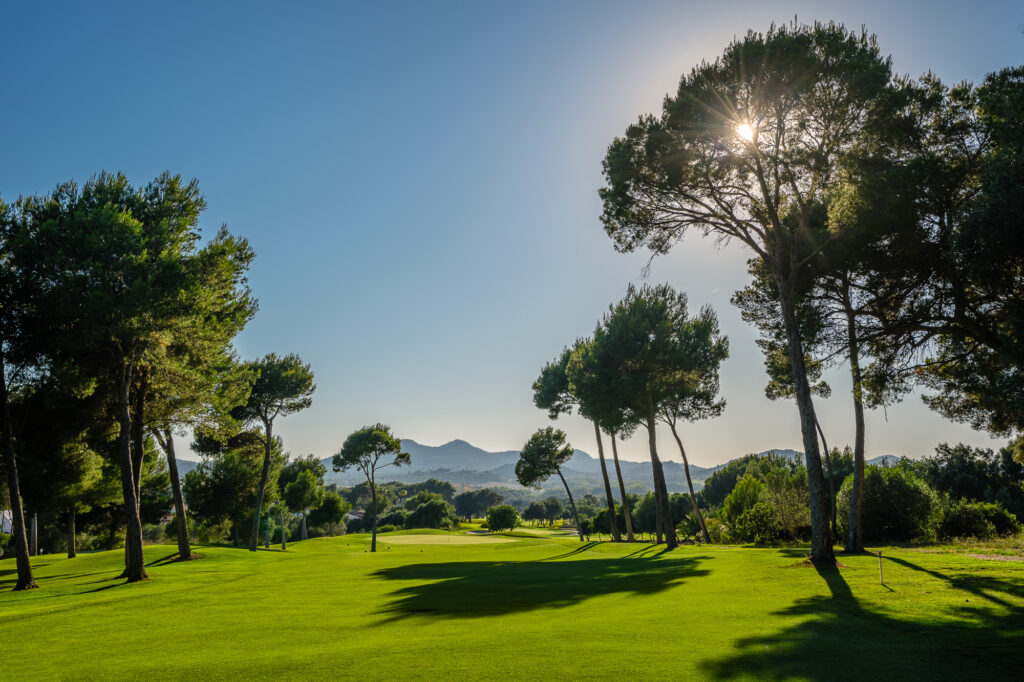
point(464, 464)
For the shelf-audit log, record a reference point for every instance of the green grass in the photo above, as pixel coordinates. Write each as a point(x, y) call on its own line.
point(533, 608)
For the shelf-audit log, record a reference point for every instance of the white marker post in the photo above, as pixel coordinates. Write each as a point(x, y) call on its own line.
point(880, 580)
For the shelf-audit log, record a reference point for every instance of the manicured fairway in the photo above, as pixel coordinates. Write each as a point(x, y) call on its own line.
point(446, 539)
point(530, 608)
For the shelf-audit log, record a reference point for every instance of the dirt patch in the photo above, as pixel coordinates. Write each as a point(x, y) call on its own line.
point(996, 557)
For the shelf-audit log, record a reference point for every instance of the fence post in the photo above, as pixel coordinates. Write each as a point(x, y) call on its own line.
point(880, 580)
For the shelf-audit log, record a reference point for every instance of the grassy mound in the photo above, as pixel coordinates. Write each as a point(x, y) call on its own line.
point(527, 607)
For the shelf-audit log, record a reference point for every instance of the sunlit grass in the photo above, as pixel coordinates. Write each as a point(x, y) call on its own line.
point(533, 607)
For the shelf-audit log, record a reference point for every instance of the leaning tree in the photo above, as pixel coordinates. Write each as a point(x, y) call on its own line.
point(543, 456)
point(553, 391)
point(748, 148)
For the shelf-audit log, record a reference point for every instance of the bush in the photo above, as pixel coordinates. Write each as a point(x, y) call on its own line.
point(965, 520)
point(758, 524)
point(387, 528)
point(982, 520)
point(718, 529)
point(743, 497)
point(484, 525)
point(502, 517)
point(898, 506)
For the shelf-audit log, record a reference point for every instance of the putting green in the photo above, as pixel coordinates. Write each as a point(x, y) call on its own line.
point(442, 539)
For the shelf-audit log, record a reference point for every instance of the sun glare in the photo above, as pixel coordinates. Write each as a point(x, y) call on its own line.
point(746, 131)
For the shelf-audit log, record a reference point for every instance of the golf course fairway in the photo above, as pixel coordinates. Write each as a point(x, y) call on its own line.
point(539, 608)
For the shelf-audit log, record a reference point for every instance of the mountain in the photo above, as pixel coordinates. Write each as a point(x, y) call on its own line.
point(883, 460)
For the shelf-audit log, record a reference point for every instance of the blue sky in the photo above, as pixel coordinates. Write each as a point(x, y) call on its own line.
point(419, 182)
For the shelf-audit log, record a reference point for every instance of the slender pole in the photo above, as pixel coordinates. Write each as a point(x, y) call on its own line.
point(881, 581)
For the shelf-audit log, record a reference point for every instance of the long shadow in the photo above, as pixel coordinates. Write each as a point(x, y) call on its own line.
point(473, 589)
point(839, 639)
point(979, 586)
point(577, 550)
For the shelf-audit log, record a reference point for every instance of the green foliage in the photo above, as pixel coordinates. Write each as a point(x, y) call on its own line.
point(744, 496)
point(502, 517)
point(387, 528)
point(982, 520)
point(433, 513)
point(370, 448)
point(331, 511)
point(975, 474)
point(898, 506)
point(280, 386)
point(305, 492)
point(171, 528)
point(542, 456)
point(534, 512)
point(422, 497)
point(475, 503)
point(786, 493)
point(758, 524)
point(395, 516)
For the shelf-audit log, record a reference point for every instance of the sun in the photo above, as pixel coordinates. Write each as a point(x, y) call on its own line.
point(746, 131)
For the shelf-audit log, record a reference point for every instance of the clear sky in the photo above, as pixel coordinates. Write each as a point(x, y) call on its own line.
point(419, 182)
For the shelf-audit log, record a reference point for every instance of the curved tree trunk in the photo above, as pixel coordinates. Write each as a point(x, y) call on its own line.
point(822, 552)
point(71, 532)
point(665, 522)
point(166, 440)
point(622, 491)
point(22, 559)
point(268, 443)
point(572, 503)
point(855, 538)
point(831, 479)
point(612, 520)
point(135, 569)
point(689, 484)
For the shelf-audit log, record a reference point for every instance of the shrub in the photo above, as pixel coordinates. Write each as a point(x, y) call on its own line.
point(171, 527)
point(387, 528)
point(965, 520)
point(718, 529)
point(758, 524)
point(502, 517)
point(982, 520)
point(898, 506)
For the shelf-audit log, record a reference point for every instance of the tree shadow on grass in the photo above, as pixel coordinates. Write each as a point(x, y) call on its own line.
point(842, 639)
point(473, 589)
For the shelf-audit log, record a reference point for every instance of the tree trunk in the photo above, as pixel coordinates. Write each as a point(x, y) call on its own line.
point(284, 542)
point(689, 483)
point(268, 443)
point(71, 532)
point(135, 569)
point(613, 522)
point(855, 538)
point(304, 536)
point(665, 522)
point(166, 440)
point(138, 452)
point(572, 503)
point(21, 553)
point(373, 524)
point(34, 534)
point(622, 491)
point(822, 552)
point(831, 479)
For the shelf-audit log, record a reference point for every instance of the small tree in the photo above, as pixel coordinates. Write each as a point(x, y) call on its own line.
point(543, 455)
point(502, 517)
point(553, 509)
point(283, 386)
point(302, 494)
point(369, 449)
